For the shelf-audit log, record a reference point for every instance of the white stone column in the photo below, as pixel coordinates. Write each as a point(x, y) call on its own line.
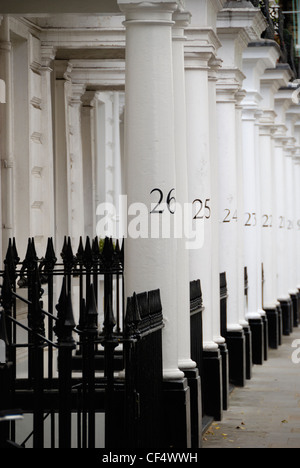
point(235, 32)
point(200, 56)
point(150, 263)
point(270, 83)
point(62, 218)
point(266, 171)
point(7, 156)
point(283, 196)
point(297, 200)
point(200, 176)
point(228, 200)
point(88, 158)
point(256, 58)
point(215, 65)
point(74, 93)
point(181, 20)
point(292, 116)
point(240, 208)
point(290, 201)
point(281, 220)
point(47, 58)
point(251, 219)
point(238, 24)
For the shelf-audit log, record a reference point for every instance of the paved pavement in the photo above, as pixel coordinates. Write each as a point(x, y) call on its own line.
point(265, 413)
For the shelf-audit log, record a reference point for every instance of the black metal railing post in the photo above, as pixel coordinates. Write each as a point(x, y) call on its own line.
point(49, 265)
point(66, 344)
point(37, 356)
point(5, 370)
point(8, 367)
point(110, 342)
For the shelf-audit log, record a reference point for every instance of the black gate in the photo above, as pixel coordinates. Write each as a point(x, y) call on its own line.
point(74, 370)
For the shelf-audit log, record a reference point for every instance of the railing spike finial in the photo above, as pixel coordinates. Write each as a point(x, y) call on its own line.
point(80, 251)
point(30, 258)
point(65, 323)
point(67, 254)
point(88, 255)
point(108, 252)
point(91, 311)
point(15, 251)
point(33, 248)
point(10, 261)
point(133, 316)
point(109, 319)
point(95, 249)
point(50, 256)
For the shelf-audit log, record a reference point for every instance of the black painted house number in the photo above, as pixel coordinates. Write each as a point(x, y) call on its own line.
point(230, 217)
point(203, 208)
point(170, 199)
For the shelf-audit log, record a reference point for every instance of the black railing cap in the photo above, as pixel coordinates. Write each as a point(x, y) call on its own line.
point(264, 43)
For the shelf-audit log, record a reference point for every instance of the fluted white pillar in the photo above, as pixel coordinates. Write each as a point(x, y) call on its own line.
point(150, 158)
point(281, 220)
point(256, 58)
point(297, 201)
point(181, 20)
point(270, 82)
point(7, 156)
point(200, 178)
point(215, 65)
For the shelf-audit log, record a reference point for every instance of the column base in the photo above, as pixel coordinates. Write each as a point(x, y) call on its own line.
point(258, 342)
point(286, 309)
point(266, 336)
point(280, 327)
point(194, 382)
point(274, 326)
point(236, 344)
point(177, 414)
point(225, 375)
point(212, 384)
point(295, 320)
point(249, 351)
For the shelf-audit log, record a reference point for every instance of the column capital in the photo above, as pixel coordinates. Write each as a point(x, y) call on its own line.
point(249, 113)
point(182, 18)
point(241, 18)
point(202, 46)
point(154, 10)
point(89, 99)
point(296, 158)
point(48, 53)
point(78, 91)
point(229, 80)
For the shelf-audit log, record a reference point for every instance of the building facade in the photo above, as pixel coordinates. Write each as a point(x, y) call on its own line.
point(124, 105)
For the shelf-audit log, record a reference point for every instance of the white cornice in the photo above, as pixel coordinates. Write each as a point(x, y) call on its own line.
point(250, 20)
point(97, 74)
point(202, 36)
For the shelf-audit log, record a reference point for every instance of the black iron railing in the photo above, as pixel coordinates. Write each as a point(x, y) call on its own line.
point(72, 364)
point(278, 30)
